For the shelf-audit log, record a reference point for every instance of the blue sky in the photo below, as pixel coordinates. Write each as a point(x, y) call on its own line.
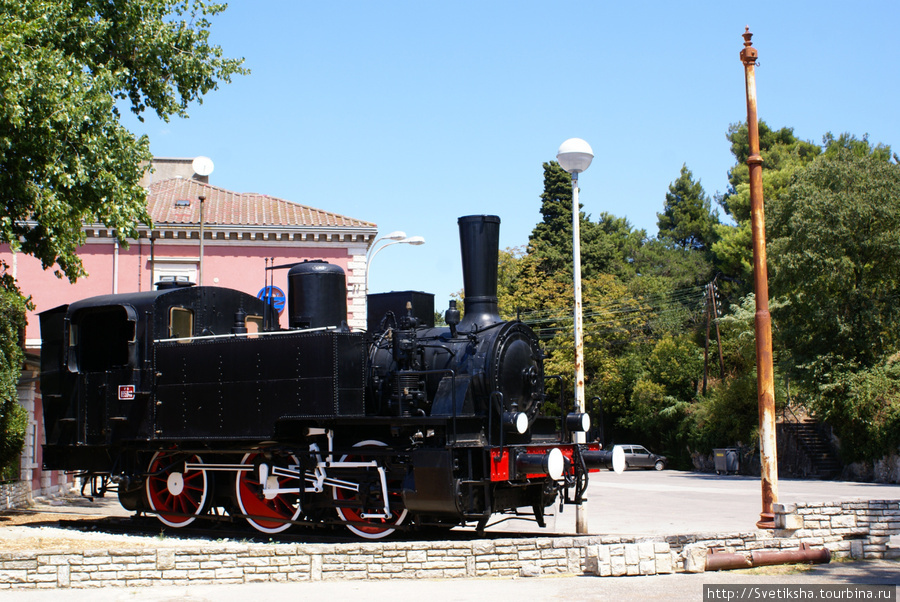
point(411, 114)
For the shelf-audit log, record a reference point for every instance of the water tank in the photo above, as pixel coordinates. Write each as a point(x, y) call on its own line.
point(317, 295)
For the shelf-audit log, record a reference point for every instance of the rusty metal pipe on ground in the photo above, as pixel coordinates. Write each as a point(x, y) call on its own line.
point(717, 561)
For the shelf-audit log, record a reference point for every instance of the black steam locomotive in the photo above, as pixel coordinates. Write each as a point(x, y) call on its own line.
point(194, 405)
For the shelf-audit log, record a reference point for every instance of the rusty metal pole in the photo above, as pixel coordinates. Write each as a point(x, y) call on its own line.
point(581, 520)
point(765, 379)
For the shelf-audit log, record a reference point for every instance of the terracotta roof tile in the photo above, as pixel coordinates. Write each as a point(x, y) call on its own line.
point(227, 208)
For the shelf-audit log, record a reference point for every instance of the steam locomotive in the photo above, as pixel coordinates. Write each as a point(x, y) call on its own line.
point(194, 404)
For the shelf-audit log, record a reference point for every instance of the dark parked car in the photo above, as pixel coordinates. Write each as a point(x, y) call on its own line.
point(638, 456)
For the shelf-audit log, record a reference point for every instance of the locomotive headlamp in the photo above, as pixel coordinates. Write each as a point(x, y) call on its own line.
point(600, 458)
point(578, 422)
point(551, 463)
point(515, 421)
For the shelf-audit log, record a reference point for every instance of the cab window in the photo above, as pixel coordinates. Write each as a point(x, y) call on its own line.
point(102, 339)
point(181, 323)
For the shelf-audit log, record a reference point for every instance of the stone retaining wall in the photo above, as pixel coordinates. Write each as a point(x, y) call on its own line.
point(859, 529)
point(14, 495)
point(847, 529)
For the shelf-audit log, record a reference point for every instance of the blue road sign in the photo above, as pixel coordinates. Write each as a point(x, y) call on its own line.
point(273, 295)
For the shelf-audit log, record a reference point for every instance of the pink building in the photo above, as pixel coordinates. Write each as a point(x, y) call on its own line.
point(201, 233)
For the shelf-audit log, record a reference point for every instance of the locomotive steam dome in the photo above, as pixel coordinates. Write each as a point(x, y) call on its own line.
point(317, 295)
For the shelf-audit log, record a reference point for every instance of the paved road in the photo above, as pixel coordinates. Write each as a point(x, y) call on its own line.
point(674, 502)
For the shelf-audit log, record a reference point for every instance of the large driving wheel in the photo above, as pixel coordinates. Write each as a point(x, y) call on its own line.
point(352, 507)
point(178, 496)
point(268, 512)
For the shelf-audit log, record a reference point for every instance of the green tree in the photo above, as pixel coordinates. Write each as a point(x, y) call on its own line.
point(783, 155)
point(687, 218)
point(676, 364)
point(13, 418)
point(833, 249)
point(551, 239)
point(671, 268)
point(65, 158)
point(729, 413)
point(864, 407)
point(859, 147)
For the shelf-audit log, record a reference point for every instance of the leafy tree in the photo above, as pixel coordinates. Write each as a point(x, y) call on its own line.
point(783, 155)
point(833, 248)
point(729, 413)
point(676, 364)
point(13, 418)
point(860, 148)
point(780, 150)
point(687, 218)
point(662, 395)
point(864, 407)
point(672, 268)
point(65, 158)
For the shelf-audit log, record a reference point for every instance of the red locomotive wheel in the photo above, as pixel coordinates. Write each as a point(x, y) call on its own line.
point(176, 495)
point(258, 506)
point(376, 528)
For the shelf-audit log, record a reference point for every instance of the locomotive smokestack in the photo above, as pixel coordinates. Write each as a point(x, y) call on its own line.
point(479, 241)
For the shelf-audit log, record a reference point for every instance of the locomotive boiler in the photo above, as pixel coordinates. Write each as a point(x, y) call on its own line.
point(195, 406)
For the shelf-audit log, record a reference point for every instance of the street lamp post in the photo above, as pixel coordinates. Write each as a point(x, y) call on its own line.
point(395, 238)
point(575, 156)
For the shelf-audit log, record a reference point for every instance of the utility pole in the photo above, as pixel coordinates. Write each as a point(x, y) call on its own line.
point(765, 379)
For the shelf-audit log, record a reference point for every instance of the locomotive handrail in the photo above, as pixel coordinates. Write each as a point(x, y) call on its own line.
point(235, 335)
point(564, 427)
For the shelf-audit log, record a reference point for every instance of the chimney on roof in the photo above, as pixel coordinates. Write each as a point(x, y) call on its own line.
point(165, 168)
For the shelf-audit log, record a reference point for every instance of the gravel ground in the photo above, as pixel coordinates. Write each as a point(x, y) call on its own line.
point(38, 527)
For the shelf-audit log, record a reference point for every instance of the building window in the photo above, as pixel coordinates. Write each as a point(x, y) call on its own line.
point(34, 443)
point(175, 271)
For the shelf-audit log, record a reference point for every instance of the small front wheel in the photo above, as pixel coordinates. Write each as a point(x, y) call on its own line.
point(659, 465)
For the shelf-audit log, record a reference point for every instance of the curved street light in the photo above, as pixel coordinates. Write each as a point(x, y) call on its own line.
point(396, 238)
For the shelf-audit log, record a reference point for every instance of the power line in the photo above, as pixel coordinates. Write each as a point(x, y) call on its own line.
point(630, 317)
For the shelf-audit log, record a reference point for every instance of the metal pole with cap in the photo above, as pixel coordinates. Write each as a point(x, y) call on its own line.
point(765, 378)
